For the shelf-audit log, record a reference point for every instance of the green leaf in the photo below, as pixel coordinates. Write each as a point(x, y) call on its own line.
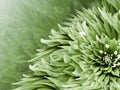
point(116, 72)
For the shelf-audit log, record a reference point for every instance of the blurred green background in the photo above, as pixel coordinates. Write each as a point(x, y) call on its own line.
point(22, 24)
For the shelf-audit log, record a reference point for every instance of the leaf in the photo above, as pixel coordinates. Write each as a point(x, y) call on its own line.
point(106, 80)
point(101, 78)
point(116, 72)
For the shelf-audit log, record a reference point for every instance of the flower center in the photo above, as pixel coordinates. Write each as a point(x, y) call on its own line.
point(107, 59)
point(112, 60)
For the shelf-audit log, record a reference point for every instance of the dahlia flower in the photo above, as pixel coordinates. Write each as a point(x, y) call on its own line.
point(83, 55)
